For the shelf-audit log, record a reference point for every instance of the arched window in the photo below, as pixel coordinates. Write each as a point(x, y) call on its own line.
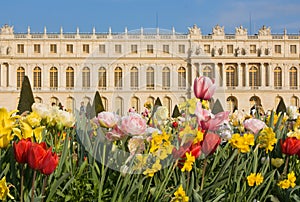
point(151, 100)
point(254, 77)
point(20, 76)
point(105, 103)
point(231, 76)
point(135, 103)
point(167, 102)
point(134, 78)
point(37, 78)
point(295, 101)
point(118, 78)
point(150, 78)
point(293, 77)
point(166, 78)
point(38, 100)
point(70, 104)
point(182, 99)
point(119, 108)
point(255, 100)
point(207, 71)
point(277, 78)
point(54, 101)
point(102, 78)
point(181, 78)
point(70, 78)
point(232, 103)
point(53, 78)
point(86, 78)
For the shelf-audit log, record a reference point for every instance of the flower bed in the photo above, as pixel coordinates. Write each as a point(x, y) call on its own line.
point(193, 156)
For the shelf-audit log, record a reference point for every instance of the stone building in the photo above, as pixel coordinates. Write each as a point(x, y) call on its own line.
point(132, 67)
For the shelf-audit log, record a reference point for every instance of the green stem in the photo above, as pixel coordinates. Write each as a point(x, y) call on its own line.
point(32, 187)
point(22, 182)
point(203, 174)
point(286, 166)
point(44, 187)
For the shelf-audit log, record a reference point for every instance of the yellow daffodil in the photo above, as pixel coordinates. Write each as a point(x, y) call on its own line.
point(4, 190)
point(267, 139)
point(277, 162)
point(242, 143)
point(287, 183)
point(188, 164)
point(180, 195)
point(254, 178)
point(188, 131)
point(199, 137)
point(34, 119)
point(7, 125)
point(151, 171)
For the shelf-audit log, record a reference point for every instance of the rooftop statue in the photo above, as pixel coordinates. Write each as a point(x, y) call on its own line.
point(6, 29)
point(264, 31)
point(218, 30)
point(240, 31)
point(194, 30)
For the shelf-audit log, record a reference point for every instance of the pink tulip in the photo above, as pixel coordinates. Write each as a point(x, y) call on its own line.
point(107, 119)
point(214, 122)
point(133, 124)
point(115, 134)
point(204, 88)
point(255, 125)
point(202, 114)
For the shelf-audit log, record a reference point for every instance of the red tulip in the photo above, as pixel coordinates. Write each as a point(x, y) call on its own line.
point(35, 154)
point(21, 149)
point(290, 146)
point(210, 143)
point(48, 163)
point(204, 88)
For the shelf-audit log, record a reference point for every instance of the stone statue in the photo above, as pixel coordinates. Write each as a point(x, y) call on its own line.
point(264, 31)
point(8, 50)
point(194, 30)
point(198, 50)
point(220, 50)
point(218, 30)
point(6, 29)
point(240, 31)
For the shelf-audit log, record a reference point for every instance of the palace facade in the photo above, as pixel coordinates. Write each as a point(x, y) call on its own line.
point(132, 67)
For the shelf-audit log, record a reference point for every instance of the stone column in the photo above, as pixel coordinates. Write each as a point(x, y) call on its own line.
point(263, 75)
point(247, 75)
point(271, 73)
point(285, 71)
point(224, 75)
point(240, 76)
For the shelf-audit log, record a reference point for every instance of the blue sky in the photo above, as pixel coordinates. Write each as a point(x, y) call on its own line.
point(133, 14)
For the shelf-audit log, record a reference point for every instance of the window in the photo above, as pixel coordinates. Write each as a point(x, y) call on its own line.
point(135, 103)
point(20, 76)
point(69, 48)
point(166, 78)
point(277, 78)
point(293, 49)
point(149, 48)
point(118, 48)
point(86, 48)
point(181, 78)
point(254, 78)
point(166, 49)
point(150, 78)
point(294, 101)
point(102, 78)
point(207, 71)
point(70, 78)
point(119, 106)
point(37, 78)
point(206, 48)
point(37, 48)
point(229, 49)
point(232, 103)
point(181, 48)
point(231, 76)
point(20, 48)
point(86, 78)
point(118, 78)
point(101, 48)
point(53, 48)
point(293, 77)
point(134, 48)
point(53, 78)
point(277, 48)
point(167, 102)
point(134, 78)
point(252, 49)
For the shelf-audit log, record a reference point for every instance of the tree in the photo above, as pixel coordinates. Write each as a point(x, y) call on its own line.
point(97, 105)
point(281, 107)
point(26, 97)
point(176, 112)
point(217, 107)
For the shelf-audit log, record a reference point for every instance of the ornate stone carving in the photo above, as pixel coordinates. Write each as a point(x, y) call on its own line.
point(195, 31)
point(218, 30)
point(6, 29)
point(264, 31)
point(240, 31)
